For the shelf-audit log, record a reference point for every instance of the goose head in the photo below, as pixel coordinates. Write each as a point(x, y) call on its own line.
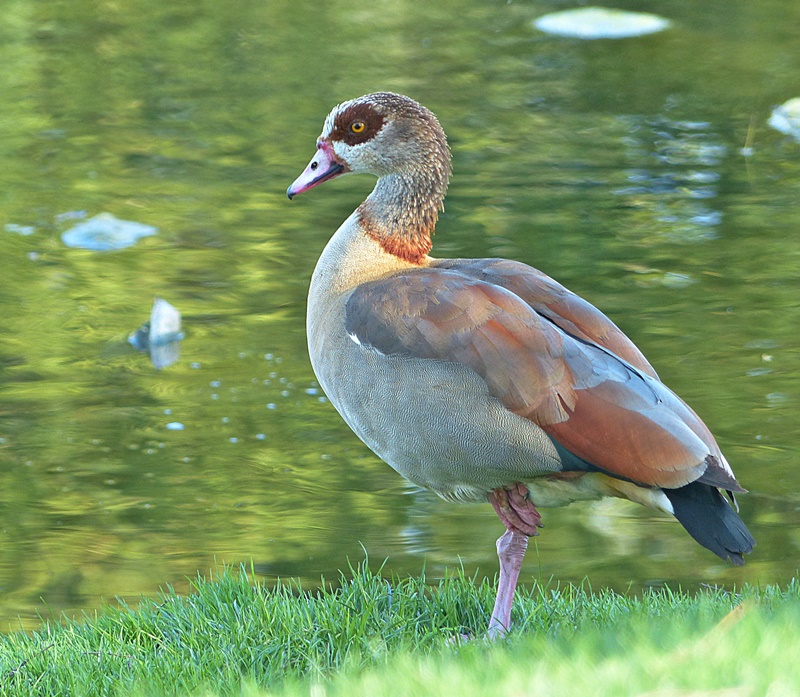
point(401, 142)
point(382, 134)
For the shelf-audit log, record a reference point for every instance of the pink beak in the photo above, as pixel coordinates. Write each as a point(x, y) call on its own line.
point(323, 166)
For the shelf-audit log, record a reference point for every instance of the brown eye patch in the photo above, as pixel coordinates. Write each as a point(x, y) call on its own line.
point(358, 123)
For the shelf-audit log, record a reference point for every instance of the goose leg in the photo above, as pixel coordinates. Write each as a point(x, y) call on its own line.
point(521, 518)
point(511, 548)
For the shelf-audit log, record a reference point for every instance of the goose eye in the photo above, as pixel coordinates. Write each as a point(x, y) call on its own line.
point(358, 127)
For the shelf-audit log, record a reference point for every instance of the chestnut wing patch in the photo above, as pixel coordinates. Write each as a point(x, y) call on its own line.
point(447, 316)
point(603, 409)
point(550, 299)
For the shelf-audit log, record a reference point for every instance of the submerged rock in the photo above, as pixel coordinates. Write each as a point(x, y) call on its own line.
point(600, 23)
point(786, 118)
point(105, 232)
point(20, 229)
point(161, 335)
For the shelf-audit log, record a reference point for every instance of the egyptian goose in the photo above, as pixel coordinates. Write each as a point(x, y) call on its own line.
point(484, 378)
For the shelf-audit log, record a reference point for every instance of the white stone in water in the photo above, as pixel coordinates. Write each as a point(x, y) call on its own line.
point(600, 23)
point(165, 323)
point(786, 118)
point(165, 333)
point(161, 335)
point(105, 232)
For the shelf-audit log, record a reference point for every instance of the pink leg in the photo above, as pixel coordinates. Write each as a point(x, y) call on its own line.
point(521, 520)
point(510, 549)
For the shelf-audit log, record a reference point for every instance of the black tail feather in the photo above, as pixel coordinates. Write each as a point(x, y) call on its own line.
point(708, 518)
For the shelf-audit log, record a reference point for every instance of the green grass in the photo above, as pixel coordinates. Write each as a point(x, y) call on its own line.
point(368, 636)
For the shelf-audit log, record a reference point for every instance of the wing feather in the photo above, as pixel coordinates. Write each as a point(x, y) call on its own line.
point(548, 356)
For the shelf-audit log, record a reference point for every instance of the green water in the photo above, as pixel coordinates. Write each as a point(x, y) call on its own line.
point(615, 166)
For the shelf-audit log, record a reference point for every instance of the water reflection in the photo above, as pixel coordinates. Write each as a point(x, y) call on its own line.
point(612, 168)
point(674, 175)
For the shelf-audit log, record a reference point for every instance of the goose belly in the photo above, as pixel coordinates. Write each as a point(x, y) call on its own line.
point(434, 422)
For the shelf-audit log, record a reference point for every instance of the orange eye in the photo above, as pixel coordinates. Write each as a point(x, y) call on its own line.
point(358, 127)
